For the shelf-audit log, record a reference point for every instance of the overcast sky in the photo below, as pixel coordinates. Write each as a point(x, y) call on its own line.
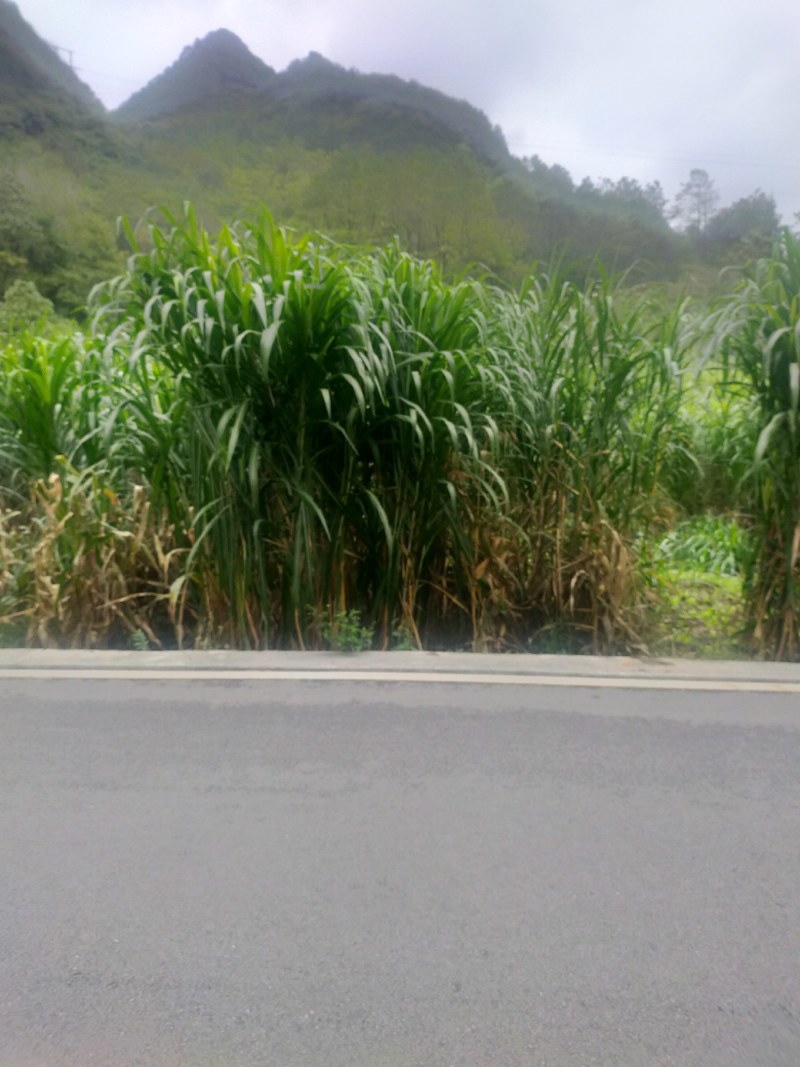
point(644, 88)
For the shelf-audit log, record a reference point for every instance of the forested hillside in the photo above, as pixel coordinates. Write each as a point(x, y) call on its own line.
point(362, 157)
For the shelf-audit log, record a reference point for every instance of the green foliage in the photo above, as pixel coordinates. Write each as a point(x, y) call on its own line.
point(271, 440)
point(621, 223)
point(593, 394)
point(747, 228)
point(51, 228)
point(53, 404)
point(344, 632)
point(713, 443)
point(647, 203)
point(759, 337)
point(696, 202)
point(695, 613)
point(336, 427)
point(403, 640)
point(23, 308)
point(26, 233)
point(708, 544)
point(436, 202)
point(363, 157)
point(139, 641)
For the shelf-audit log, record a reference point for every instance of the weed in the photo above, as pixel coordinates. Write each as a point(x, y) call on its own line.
point(694, 613)
point(403, 640)
point(139, 641)
point(344, 632)
point(712, 544)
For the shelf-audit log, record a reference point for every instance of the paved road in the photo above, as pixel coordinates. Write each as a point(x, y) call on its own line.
point(334, 875)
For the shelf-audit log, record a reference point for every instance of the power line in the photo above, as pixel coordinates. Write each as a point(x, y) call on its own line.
point(68, 52)
point(656, 158)
point(110, 77)
point(515, 146)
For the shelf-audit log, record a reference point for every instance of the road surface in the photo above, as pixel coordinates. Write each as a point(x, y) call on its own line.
point(231, 873)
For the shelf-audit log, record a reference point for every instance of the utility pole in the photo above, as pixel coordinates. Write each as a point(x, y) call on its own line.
point(68, 52)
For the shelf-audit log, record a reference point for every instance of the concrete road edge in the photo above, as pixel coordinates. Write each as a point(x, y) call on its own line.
point(463, 663)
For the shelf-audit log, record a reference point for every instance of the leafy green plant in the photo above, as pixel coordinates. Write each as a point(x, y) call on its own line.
point(694, 592)
point(320, 425)
point(307, 425)
point(56, 402)
point(403, 640)
point(139, 641)
point(23, 308)
point(759, 339)
point(344, 632)
point(712, 544)
point(591, 394)
point(709, 465)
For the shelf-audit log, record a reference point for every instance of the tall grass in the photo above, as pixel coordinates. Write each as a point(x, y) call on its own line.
point(758, 331)
point(591, 396)
point(317, 433)
point(315, 411)
point(55, 396)
point(83, 556)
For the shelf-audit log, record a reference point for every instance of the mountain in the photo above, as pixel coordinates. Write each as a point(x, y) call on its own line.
point(361, 157)
point(219, 73)
point(315, 81)
point(38, 90)
point(56, 145)
point(217, 67)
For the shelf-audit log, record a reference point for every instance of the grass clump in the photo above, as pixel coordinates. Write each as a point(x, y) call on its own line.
point(258, 426)
point(759, 336)
point(338, 427)
point(718, 545)
point(82, 567)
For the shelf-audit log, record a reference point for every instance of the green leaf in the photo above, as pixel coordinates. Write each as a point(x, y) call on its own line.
point(766, 435)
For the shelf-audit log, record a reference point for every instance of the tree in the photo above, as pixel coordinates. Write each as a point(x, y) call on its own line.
point(645, 203)
point(26, 234)
point(551, 181)
point(696, 201)
point(751, 225)
point(654, 195)
point(12, 266)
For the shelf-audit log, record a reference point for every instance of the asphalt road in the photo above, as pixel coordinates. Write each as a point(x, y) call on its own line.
point(336, 875)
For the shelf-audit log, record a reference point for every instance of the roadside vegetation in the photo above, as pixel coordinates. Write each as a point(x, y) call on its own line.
point(263, 440)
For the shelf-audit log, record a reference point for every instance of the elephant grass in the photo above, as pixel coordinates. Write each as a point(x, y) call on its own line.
point(321, 432)
point(758, 334)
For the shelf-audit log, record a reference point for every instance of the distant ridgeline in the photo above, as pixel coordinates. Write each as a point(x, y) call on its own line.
point(362, 157)
point(220, 70)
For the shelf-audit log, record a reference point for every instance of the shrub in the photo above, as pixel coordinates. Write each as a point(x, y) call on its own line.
point(23, 307)
point(759, 331)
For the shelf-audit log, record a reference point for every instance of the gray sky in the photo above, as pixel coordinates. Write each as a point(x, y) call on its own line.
point(605, 87)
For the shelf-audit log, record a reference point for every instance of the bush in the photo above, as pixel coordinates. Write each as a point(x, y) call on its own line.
point(23, 308)
point(345, 633)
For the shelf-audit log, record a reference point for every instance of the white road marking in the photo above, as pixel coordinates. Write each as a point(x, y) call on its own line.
point(408, 677)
